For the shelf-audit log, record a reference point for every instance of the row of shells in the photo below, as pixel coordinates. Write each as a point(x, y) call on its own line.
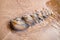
point(26, 21)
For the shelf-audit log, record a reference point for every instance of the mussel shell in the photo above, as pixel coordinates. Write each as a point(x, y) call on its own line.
point(18, 24)
point(29, 20)
point(40, 16)
point(35, 17)
point(46, 13)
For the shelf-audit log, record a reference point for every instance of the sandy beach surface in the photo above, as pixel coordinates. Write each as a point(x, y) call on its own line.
point(49, 29)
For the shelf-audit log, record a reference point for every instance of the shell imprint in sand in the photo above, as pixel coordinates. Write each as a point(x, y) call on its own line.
point(27, 21)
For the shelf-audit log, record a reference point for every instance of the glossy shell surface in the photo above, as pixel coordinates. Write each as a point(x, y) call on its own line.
point(29, 20)
point(19, 24)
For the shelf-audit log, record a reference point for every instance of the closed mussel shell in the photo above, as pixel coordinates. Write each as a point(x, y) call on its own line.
point(29, 20)
point(35, 17)
point(39, 15)
point(18, 24)
point(46, 12)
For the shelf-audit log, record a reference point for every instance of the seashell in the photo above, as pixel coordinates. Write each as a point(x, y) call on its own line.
point(46, 13)
point(18, 24)
point(42, 14)
point(35, 17)
point(39, 15)
point(29, 20)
